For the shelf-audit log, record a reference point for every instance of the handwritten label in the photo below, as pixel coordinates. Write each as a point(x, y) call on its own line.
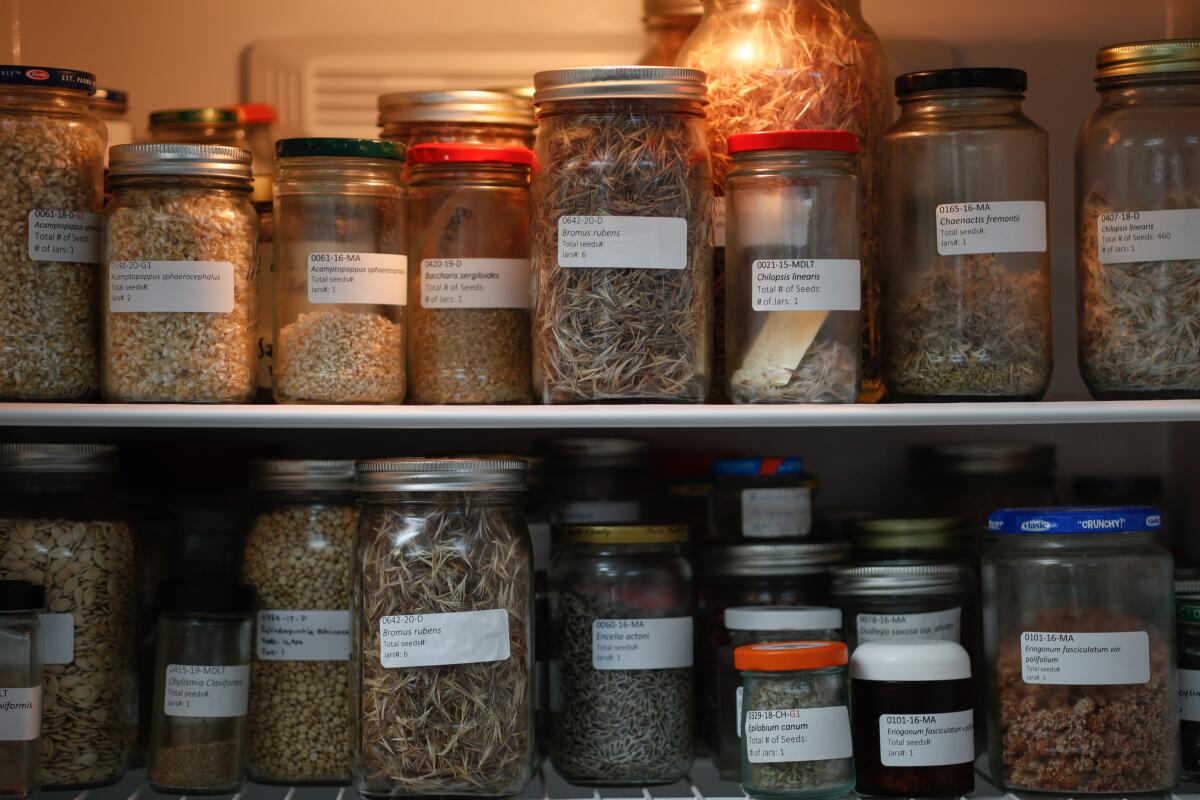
point(777, 513)
point(303, 635)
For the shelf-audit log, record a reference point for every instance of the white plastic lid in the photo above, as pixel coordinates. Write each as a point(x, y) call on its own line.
point(783, 618)
point(923, 660)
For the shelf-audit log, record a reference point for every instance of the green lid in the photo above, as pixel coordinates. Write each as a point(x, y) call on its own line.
point(193, 116)
point(344, 148)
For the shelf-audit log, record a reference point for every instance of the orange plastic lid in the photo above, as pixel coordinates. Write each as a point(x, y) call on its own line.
point(255, 113)
point(784, 656)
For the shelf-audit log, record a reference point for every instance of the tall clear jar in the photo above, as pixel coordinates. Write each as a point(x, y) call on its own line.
point(622, 258)
point(1137, 206)
point(442, 680)
point(1080, 638)
point(468, 223)
point(667, 23)
point(21, 604)
point(793, 331)
point(965, 265)
point(456, 115)
point(179, 297)
point(341, 276)
point(622, 616)
point(297, 556)
point(54, 184)
point(59, 529)
point(112, 107)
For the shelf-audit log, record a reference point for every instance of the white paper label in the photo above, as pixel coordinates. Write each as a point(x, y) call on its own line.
point(798, 734)
point(945, 625)
point(20, 714)
point(718, 222)
point(1189, 695)
point(589, 511)
point(1017, 226)
point(623, 242)
point(303, 635)
point(927, 740)
point(740, 689)
point(373, 279)
point(206, 691)
point(642, 643)
point(475, 283)
point(806, 284)
point(776, 513)
point(170, 286)
point(64, 236)
point(1085, 659)
point(58, 638)
point(459, 637)
point(1127, 237)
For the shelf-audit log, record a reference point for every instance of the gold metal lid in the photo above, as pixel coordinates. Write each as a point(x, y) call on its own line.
point(1148, 58)
point(456, 105)
point(908, 533)
point(622, 534)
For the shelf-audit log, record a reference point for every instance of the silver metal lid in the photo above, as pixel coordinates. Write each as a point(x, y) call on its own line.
point(456, 105)
point(765, 560)
point(598, 452)
point(898, 577)
point(673, 8)
point(1187, 588)
point(201, 160)
point(594, 83)
point(293, 474)
point(985, 458)
point(441, 475)
point(62, 458)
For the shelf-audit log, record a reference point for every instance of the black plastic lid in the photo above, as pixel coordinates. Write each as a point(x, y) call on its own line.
point(21, 596)
point(932, 80)
point(343, 148)
point(115, 96)
point(47, 77)
point(207, 598)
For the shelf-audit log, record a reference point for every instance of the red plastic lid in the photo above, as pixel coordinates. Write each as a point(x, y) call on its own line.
point(786, 656)
point(841, 141)
point(255, 113)
point(469, 153)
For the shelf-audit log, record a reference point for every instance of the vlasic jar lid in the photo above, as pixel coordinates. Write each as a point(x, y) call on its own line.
point(201, 160)
point(207, 598)
point(769, 560)
point(787, 656)
point(898, 578)
point(301, 474)
point(1066, 520)
point(621, 82)
point(932, 80)
point(758, 467)
point(783, 618)
point(469, 153)
point(193, 116)
point(892, 660)
point(1148, 58)
point(21, 596)
point(325, 146)
point(47, 77)
point(672, 8)
point(441, 475)
point(60, 458)
point(622, 534)
point(456, 105)
point(838, 141)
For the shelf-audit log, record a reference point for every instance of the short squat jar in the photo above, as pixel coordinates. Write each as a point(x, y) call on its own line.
point(341, 276)
point(20, 689)
point(761, 499)
point(796, 739)
point(905, 600)
point(914, 729)
point(966, 269)
point(456, 115)
point(792, 272)
point(201, 688)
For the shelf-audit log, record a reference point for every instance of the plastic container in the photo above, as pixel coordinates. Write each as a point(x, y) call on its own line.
point(622, 600)
point(20, 688)
point(757, 499)
point(456, 115)
point(1080, 635)
point(793, 326)
point(904, 600)
point(966, 266)
point(667, 24)
point(594, 480)
point(341, 273)
point(1187, 635)
point(468, 222)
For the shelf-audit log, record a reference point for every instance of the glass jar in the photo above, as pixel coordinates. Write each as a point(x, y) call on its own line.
point(759, 625)
point(340, 272)
point(792, 282)
point(792, 687)
point(1187, 636)
point(53, 182)
point(905, 600)
point(297, 556)
point(1080, 642)
point(112, 107)
point(913, 538)
point(257, 121)
point(965, 267)
point(597, 481)
point(58, 529)
point(179, 297)
point(622, 616)
point(1137, 204)
point(442, 677)
point(622, 261)
point(668, 23)
point(456, 115)
point(20, 688)
point(761, 498)
point(201, 688)
point(914, 728)
point(468, 222)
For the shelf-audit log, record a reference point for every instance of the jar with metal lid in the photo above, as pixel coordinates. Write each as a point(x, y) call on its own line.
point(341, 275)
point(257, 121)
point(442, 658)
point(1080, 636)
point(456, 115)
point(965, 266)
point(792, 272)
point(622, 260)
point(796, 739)
point(21, 604)
point(59, 529)
point(53, 185)
point(622, 614)
point(297, 556)
point(916, 538)
point(1187, 637)
point(179, 296)
point(905, 600)
point(914, 723)
point(201, 688)
point(597, 480)
point(761, 498)
point(758, 625)
point(668, 23)
point(112, 107)
point(1137, 213)
point(468, 223)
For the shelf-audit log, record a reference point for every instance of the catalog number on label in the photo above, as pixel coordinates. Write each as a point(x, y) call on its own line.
point(58, 638)
point(776, 513)
point(806, 284)
point(170, 287)
point(303, 635)
point(1126, 237)
point(458, 637)
point(945, 625)
point(375, 279)
point(798, 734)
point(1017, 226)
point(206, 691)
point(642, 643)
point(20, 714)
point(1189, 694)
point(56, 235)
point(475, 283)
point(718, 222)
point(927, 740)
point(622, 242)
point(1085, 659)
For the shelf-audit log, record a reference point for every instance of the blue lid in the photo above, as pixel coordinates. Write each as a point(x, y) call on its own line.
point(52, 77)
point(758, 467)
point(1113, 519)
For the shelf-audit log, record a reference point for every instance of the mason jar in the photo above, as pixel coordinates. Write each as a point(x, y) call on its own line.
point(341, 275)
point(21, 605)
point(905, 600)
point(667, 24)
point(456, 115)
point(758, 499)
point(966, 267)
